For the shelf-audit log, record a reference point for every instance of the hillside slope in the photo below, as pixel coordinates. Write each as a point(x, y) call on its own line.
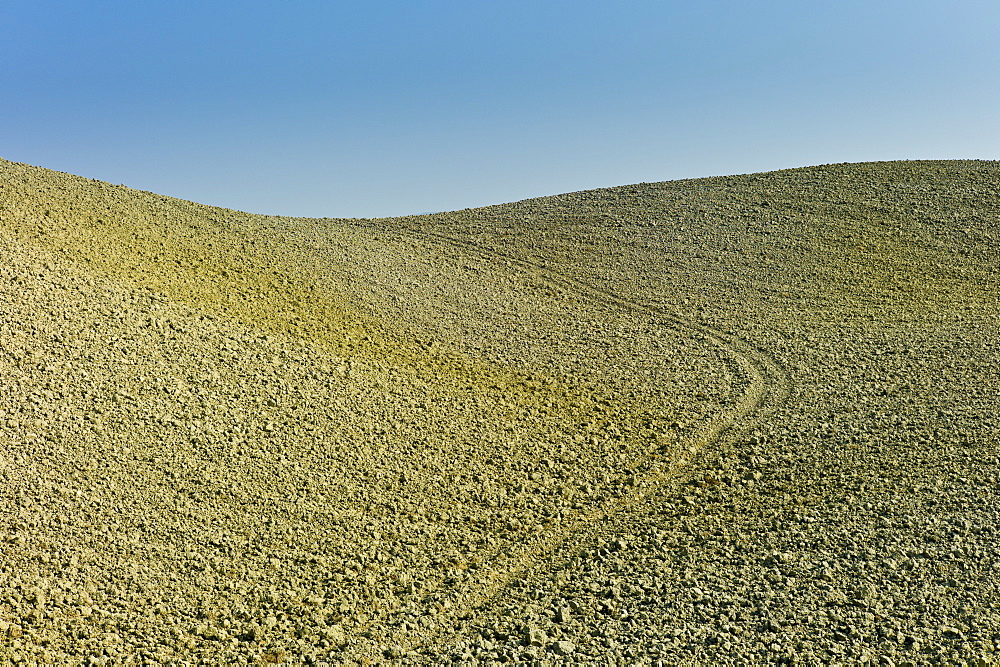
point(740, 418)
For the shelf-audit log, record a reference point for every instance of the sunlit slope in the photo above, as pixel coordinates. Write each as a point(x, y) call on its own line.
point(223, 261)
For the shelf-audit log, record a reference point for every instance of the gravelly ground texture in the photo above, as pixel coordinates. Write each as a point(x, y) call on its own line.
point(736, 420)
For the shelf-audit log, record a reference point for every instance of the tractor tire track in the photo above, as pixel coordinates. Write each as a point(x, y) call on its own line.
point(766, 387)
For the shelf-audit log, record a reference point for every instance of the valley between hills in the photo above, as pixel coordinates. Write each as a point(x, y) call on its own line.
point(729, 420)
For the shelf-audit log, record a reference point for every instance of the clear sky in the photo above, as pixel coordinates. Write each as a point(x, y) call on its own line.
point(375, 108)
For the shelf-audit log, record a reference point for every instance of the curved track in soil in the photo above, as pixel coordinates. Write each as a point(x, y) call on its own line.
point(765, 388)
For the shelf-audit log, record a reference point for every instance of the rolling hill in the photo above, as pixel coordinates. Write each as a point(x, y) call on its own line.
point(734, 419)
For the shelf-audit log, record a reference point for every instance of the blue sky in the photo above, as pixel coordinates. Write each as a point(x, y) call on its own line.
point(375, 108)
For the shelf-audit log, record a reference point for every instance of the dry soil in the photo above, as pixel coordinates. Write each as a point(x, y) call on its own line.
point(727, 420)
